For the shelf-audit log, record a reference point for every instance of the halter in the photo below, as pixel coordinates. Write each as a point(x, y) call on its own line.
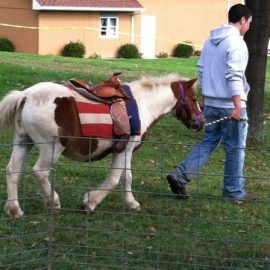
point(183, 101)
point(182, 98)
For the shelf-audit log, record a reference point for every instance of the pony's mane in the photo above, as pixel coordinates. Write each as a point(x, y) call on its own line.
point(154, 81)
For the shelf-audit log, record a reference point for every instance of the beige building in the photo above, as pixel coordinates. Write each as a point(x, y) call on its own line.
point(45, 26)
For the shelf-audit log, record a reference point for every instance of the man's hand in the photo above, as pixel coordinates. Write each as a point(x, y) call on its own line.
point(236, 112)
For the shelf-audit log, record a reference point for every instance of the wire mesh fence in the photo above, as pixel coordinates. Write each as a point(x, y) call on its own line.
point(203, 232)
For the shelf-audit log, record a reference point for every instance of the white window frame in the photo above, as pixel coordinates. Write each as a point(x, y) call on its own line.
point(109, 34)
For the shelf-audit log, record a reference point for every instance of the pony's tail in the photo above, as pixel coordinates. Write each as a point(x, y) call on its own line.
point(8, 108)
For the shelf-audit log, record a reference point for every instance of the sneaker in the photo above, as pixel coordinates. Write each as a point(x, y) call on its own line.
point(246, 198)
point(176, 187)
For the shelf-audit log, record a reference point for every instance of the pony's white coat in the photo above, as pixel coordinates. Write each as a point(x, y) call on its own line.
point(31, 113)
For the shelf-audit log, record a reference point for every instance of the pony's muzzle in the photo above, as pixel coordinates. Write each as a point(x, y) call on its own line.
point(196, 125)
point(197, 122)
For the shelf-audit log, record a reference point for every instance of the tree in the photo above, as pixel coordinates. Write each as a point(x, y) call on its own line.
point(257, 39)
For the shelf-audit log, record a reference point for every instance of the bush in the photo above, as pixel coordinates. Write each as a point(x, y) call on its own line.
point(129, 51)
point(74, 49)
point(95, 56)
point(6, 45)
point(197, 53)
point(183, 50)
point(162, 55)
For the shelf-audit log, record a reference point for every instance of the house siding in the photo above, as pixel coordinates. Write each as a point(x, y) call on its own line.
point(75, 26)
point(176, 21)
point(181, 20)
point(19, 12)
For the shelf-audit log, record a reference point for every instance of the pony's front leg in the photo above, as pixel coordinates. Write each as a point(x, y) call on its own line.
point(95, 197)
point(126, 180)
point(126, 177)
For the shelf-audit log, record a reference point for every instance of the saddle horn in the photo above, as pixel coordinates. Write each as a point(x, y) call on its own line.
point(114, 81)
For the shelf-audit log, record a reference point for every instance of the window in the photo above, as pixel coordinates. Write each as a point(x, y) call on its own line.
point(108, 26)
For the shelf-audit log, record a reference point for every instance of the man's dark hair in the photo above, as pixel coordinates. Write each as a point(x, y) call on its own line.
point(238, 11)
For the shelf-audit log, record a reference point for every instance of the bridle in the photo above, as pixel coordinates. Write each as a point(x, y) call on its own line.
point(183, 101)
point(182, 104)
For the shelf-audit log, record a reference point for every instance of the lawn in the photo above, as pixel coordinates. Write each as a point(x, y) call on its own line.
point(202, 232)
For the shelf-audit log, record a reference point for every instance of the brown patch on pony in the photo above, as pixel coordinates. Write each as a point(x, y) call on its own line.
point(68, 121)
point(66, 118)
point(188, 101)
point(175, 89)
point(179, 111)
point(186, 84)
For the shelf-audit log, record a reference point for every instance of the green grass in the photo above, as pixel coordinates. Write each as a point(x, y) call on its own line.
point(203, 232)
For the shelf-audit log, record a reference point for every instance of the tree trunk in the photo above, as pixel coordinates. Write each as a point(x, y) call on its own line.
point(257, 39)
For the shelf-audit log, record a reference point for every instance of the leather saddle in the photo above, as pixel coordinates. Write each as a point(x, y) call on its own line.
point(106, 92)
point(109, 92)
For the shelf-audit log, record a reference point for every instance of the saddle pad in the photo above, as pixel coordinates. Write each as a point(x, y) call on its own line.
point(95, 117)
point(132, 111)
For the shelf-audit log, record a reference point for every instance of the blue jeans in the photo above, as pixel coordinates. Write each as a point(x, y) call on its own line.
point(233, 134)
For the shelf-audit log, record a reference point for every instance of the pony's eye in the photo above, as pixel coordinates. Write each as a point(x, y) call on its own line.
point(195, 100)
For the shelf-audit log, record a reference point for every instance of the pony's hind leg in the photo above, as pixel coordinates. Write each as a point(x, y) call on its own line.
point(48, 156)
point(13, 171)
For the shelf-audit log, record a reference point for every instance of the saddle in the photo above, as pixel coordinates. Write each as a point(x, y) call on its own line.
point(109, 92)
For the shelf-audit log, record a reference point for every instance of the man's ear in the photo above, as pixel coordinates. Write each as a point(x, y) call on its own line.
point(242, 20)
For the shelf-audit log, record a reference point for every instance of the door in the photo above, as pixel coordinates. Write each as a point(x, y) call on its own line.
point(148, 36)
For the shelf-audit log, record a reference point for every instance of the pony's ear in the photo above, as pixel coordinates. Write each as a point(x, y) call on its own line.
point(191, 82)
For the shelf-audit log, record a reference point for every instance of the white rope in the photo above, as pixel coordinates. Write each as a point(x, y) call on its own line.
point(222, 119)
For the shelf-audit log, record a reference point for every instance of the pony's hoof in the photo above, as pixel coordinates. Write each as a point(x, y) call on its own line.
point(86, 210)
point(55, 210)
point(13, 211)
point(54, 205)
point(134, 206)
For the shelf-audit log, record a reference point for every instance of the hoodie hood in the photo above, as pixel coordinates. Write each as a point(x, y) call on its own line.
point(224, 31)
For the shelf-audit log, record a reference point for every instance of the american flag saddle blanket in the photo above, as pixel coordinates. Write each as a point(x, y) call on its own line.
point(95, 117)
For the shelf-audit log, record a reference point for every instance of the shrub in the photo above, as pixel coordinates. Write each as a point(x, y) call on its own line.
point(6, 45)
point(95, 56)
point(162, 55)
point(183, 50)
point(74, 49)
point(197, 53)
point(129, 51)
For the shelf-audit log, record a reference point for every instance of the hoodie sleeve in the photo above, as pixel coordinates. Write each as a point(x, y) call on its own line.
point(235, 67)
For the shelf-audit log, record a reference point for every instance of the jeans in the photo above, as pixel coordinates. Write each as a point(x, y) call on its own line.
point(233, 134)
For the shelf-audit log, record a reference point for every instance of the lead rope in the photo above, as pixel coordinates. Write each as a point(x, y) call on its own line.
point(222, 119)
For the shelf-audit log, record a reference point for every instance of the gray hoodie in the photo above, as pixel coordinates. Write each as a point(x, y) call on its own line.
point(221, 68)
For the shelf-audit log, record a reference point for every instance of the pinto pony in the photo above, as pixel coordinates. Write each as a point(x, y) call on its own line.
point(46, 112)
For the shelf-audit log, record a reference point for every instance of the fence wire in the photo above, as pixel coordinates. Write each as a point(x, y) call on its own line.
point(203, 232)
